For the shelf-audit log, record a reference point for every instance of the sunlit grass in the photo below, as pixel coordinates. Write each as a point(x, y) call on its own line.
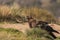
point(33, 34)
point(15, 11)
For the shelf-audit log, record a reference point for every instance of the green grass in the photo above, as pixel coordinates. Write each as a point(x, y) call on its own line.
point(33, 34)
point(38, 34)
point(9, 34)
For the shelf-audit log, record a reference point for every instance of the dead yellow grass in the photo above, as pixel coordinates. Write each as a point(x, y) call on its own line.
point(16, 10)
point(4, 10)
point(7, 10)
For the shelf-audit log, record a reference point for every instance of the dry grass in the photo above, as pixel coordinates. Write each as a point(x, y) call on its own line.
point(8, 10)
point(4, 10)
point(15, 11)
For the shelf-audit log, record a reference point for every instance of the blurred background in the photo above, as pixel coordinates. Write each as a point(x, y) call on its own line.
point(16, 11)
point(13, 8)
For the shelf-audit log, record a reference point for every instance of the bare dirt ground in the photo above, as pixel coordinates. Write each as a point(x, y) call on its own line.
point(25, 26)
